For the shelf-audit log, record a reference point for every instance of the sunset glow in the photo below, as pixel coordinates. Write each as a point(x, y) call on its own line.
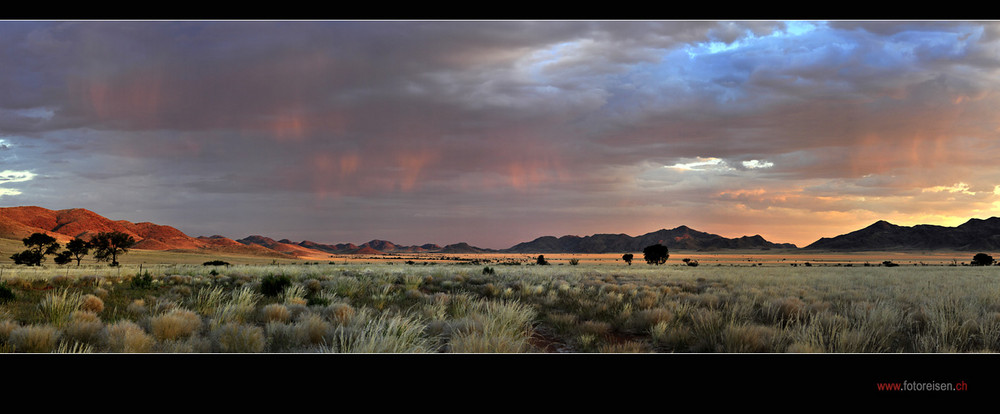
point(499, 132)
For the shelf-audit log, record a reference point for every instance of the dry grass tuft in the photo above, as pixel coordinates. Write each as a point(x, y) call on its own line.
point(234, 337)
point(91, 303)
point(175, 324)
point(340, 313)
point(129, 337)
point(275, 312)
point(86, 328)
point(627, 347)
point(314, 329)
point(35, 338)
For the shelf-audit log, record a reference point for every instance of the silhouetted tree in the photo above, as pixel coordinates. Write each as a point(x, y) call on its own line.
point(110, 245)
point(982, 259)
point(76, 249)
point(627, 257)
point(541, 260)
point(39, 245)
point(64, 257)
point(656, 254)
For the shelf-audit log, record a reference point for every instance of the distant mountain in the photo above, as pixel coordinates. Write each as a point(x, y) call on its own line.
point(385, 247)
point(464, 248)
point(681, 237)
point(975, 234)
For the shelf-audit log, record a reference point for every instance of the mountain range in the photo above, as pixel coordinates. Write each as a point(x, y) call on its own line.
point(19, 222)
point(975, 234)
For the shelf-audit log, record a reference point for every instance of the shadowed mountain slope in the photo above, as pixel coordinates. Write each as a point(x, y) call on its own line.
point(975, 234)
point(681, 237)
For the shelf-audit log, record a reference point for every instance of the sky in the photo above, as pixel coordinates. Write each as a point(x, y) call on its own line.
point(498, 132)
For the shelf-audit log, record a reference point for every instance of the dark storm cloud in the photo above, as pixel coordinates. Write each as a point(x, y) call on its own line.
point(568, 121)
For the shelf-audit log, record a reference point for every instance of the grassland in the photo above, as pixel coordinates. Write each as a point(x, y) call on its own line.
point(728, 304)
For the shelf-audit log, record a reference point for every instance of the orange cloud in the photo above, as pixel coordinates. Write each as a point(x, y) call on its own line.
point(411, 165)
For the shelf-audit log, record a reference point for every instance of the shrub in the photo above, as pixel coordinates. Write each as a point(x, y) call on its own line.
point(176, 324)
point(6, 295)
point(6, 326)
point(274, 285)
point(91, 303)
point(34, 338)
point(982, 259)
point(385, 334)
point(629, 347)
point(216, 263)
point(313, 329)
point(207, 299)
point(239, 338)
point(574, 262)
point(656, 254)
point(85, 328)
point(282, 337)
point(191, 344)
point(340, 313)
point(128, 337)
point(57, 308)
point(275, 312)
point(144, 281)
point(137, 306)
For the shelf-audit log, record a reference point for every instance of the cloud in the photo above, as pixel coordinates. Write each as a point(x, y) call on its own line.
point(10, 176)
point(576, 121)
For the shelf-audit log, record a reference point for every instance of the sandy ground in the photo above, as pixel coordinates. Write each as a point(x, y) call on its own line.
point(748, 257)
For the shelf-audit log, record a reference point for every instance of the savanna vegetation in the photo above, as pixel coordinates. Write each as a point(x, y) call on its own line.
point(464, 308)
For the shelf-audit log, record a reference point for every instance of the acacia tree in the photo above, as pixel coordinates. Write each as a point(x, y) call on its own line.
point(982, 259)
point(656, 254)
point(627, 257)
point(75, 250)
point(39, 245)
point(111, 244)
point(78, 248)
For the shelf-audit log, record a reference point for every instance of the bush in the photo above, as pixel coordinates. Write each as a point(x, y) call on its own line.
point(91, 303)
point(128, 337)
point(6, 295)
point(56, 308)
point(656, 254)
point(239, 338)
point(216, 263)
point(272, 285)
point(982, 259)
point(144, 281)
point(176, 324)
point(35, 338)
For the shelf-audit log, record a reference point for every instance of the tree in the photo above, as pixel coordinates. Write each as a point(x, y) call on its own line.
point(982, 259)
point(627, 257)
point(39, 245)
point(75, 250)
point(656, 254)
point(110, 245)
point(541, 260)
point(78, 248)
point(64, 257)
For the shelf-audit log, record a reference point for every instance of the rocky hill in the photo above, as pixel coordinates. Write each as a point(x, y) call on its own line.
point(64, 225)
point(681, 237)
point(975, 234)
